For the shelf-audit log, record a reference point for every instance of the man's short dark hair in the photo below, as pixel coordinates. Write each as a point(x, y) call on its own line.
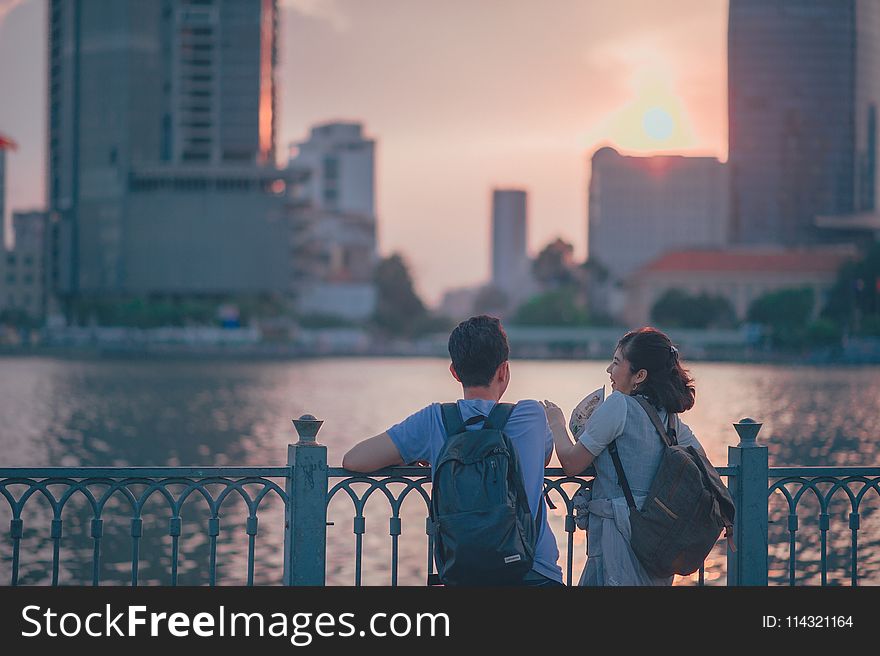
point(477, 347)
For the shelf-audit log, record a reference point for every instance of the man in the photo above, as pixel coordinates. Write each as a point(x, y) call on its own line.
point(479, 351)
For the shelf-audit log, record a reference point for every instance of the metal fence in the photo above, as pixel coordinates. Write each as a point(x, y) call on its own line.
point(306, 486)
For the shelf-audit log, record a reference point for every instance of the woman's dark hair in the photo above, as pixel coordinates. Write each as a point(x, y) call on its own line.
point(477, 347)
point(668, 384)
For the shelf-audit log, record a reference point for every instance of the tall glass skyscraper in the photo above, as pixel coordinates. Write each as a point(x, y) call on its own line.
point(140, 86)
point(804, 87)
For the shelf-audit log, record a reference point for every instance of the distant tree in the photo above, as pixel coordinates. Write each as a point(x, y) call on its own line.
point(554, 266)
point(553, 308)
point(854, 301)
point(434, 323)
point(870, 326)
point(785, 308)
point(399, 310)
point(17, 318)
point(785, 315)
point(679, 309)
point(671, 308)
point(491, 300)
point(596, 271)
point(823, 332)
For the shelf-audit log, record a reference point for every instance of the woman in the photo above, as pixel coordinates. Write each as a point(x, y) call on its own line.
point(645, 363)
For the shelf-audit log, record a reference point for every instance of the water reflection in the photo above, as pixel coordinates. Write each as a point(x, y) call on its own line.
point(139, 412)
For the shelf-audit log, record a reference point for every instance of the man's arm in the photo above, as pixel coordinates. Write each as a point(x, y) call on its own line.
point(372, 454)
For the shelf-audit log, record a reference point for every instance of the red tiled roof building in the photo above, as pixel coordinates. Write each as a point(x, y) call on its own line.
point(740, 275)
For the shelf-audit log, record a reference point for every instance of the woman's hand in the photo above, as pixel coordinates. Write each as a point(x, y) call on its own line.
point(573, 457)
point(554, 415)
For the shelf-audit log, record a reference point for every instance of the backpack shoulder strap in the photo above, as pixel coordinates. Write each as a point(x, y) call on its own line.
point(499, 415)
point(621, 475)
point(667, 437)
point(671, 423)
point(452, 420)
point(498, 420)
point(655, 419)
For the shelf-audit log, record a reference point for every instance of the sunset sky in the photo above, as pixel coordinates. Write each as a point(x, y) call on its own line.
point(462, 96)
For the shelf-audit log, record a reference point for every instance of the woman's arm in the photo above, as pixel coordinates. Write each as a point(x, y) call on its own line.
point(573, 456)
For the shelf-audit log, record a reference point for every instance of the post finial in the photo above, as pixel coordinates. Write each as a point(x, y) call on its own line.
point(307, 428)
point(747, 429)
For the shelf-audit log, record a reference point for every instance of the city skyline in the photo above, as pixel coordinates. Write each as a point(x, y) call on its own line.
point(545, 91)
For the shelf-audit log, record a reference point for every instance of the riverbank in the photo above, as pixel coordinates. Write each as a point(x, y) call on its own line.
point(292, 351)
point(531, 343)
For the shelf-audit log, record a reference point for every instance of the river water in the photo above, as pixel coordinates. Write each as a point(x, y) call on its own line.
point(138, 412)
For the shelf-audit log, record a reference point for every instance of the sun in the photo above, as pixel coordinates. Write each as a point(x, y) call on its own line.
point(654, 120)
point(658, 124)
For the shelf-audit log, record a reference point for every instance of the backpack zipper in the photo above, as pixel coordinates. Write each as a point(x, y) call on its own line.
point(665, 508)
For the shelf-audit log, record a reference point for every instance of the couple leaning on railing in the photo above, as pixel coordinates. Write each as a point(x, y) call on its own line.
point(488, 516)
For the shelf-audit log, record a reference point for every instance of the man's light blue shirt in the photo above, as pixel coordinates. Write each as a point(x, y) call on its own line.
point(421, 436)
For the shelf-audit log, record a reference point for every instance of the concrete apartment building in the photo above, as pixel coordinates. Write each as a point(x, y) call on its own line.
point(161, 163)
point(642, 207)
point(338, 249)
point(24, 269)
point(341, 163)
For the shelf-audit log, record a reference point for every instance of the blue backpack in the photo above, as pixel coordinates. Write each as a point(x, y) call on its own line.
point(480, 518)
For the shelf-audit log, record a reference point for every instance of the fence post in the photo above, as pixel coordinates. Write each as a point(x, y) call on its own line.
point(748, 564)
point(305, 525)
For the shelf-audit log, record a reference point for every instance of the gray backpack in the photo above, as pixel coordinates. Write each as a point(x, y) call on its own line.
point(480, 519)
point(685, 511)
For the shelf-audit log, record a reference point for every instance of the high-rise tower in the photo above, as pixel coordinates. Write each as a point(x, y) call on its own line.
point(510, 261)
point(137, 87)
point(803, 93)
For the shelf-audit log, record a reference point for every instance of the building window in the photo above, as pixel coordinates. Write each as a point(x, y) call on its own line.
point(10, 260)
point(28, 260)
point(10, 278)
point(868, 193)
point(331, 168)
point(167, 143)
point(28, 279)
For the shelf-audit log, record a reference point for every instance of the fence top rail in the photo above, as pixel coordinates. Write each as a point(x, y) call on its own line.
point(143, 472)
point(550, 472)
point(339, 472)
point(784, 472)
point(408, 471)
